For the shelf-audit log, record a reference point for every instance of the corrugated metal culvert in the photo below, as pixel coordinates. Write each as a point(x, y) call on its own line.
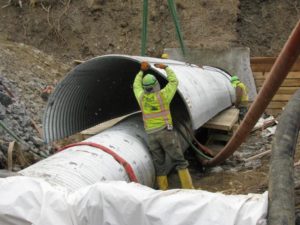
point(101, 89)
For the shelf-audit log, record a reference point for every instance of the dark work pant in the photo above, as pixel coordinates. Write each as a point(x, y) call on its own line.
point(162, 143)
point(243, 111)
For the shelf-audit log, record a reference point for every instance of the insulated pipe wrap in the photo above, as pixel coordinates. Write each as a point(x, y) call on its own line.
point(80, 166)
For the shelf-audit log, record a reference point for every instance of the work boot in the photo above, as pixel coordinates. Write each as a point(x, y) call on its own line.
point(162, 182)
point(185, 179)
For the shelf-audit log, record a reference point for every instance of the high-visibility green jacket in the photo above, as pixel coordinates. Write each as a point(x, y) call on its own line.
point(244, 99)
point(155, 106)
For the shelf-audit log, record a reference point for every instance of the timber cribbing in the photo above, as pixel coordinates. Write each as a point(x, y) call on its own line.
point(261, 67)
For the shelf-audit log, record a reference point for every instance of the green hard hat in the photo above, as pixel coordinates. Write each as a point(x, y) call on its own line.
point(149, 80)
point(234, 78)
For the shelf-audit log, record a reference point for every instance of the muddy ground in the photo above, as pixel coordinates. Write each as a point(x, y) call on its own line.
point(40, 39)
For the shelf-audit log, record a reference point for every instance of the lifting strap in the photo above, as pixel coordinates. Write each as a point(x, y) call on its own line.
point(172, 7)
point(173, 11)
point(118, 158)
point(144, 27)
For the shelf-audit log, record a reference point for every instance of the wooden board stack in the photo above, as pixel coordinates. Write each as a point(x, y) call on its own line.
point(261, 67)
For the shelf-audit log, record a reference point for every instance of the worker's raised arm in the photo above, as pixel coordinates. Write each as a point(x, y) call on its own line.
point(170, 89)
point(137, 84)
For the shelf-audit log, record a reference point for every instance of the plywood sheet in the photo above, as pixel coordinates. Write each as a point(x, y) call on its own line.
point(224, 120)
point(102, 126)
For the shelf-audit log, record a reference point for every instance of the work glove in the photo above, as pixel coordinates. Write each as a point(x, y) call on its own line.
point(145, 66)
point(161, 66)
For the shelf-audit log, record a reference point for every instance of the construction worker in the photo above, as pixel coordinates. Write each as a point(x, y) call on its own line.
point(164, 56)
point(241, 101)
point(155, 106)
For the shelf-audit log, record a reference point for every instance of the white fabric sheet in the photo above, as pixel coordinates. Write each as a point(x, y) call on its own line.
point(26, 200)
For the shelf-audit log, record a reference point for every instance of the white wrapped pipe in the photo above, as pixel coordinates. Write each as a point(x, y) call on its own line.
point(79, 166)
point(116, 202)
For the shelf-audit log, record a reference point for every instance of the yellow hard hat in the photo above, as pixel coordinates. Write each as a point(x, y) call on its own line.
point(164, 56)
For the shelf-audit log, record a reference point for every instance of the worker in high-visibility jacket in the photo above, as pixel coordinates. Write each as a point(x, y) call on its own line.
point(155, 106)
point(241, 101)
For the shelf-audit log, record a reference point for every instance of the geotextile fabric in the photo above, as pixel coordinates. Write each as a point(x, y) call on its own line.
point(26, 200)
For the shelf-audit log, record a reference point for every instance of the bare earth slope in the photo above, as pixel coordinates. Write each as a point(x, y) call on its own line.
point(76, 29)
point(83, 29)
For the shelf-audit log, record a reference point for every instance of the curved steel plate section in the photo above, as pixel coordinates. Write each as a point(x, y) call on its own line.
point(101, 89)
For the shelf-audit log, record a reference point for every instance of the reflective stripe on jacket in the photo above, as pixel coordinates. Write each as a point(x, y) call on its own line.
point(155, 106)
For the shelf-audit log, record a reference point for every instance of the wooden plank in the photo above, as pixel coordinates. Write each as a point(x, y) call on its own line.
point(102, 126)
point(291, 75)
point(10, 150)
point(277, 105)
point(224, 120)
point(267, 67)
point(285, 90)
point(260, 67)
point(286, 83)
point(259, 75)
point(262, 64)
point(77, 61)
point(281, 98)
point(266, 60)
point(263, 75)
point(273, 112)
point(262, 60)
point(258, 155)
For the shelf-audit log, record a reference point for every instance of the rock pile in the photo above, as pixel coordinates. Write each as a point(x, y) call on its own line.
point(15, 117)
point(24, 73)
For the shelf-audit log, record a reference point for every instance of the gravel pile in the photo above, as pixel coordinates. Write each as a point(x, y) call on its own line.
point(15, 117)
point(24, 73)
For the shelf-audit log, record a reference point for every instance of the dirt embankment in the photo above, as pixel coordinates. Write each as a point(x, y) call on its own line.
point(265, 25)
point(84, 29)
point(79, 30)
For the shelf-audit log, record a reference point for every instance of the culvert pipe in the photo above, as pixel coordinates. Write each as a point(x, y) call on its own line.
point(281, 208)
point(101, 89)
point(86, 163)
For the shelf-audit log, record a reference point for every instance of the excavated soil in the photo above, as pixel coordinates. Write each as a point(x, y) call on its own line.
point(83, 29)
point(78, 29)
point(265, 25)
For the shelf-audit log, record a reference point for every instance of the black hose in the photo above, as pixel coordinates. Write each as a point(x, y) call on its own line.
point(281, 208)
point(196, 150)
